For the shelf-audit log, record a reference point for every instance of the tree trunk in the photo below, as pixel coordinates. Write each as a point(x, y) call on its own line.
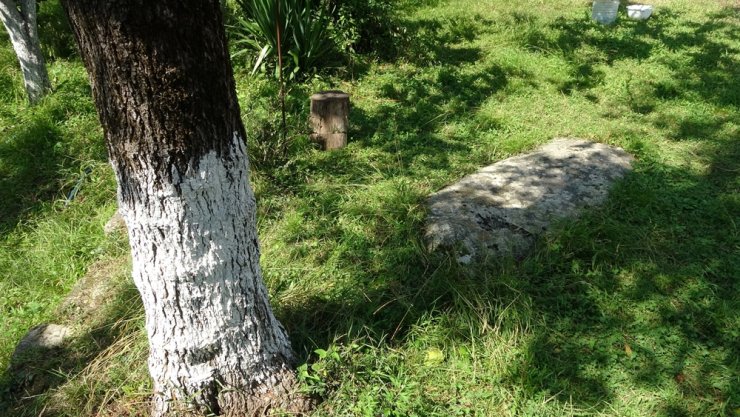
point(20, 22)
point(164, 89)
point(330, 119)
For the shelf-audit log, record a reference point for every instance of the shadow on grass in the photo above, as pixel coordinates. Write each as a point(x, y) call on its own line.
point(641, 293)
point(403, 125)
point(42, 146)
point(710, 71)
point(644, 293)
point(38, 160)
point(28, 168)
point(105, 312)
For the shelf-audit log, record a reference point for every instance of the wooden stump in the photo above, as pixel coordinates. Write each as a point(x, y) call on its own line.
point(330, 119)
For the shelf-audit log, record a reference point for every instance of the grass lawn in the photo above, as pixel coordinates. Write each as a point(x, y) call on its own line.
point(631, 310)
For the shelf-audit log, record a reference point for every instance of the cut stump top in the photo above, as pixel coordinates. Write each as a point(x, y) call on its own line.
point(329, 95)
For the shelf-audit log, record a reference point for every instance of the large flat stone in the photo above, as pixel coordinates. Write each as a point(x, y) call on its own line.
point(500, 209)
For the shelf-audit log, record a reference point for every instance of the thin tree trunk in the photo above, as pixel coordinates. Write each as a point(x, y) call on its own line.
point(20, 22)
point(164, 89)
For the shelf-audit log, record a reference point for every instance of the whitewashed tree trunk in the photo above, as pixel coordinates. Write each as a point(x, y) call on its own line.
point(164, 90)
point(19, 19)
point(196, 264)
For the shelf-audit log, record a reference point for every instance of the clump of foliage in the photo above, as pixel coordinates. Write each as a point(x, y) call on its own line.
point(314, 33)
point(364, 26)
point(56, 36)
point(295, 28)
point(270, 145)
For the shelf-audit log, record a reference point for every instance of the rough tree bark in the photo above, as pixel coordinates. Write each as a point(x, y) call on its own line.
point(19, 19)
point(164, 90)
point(330, 119)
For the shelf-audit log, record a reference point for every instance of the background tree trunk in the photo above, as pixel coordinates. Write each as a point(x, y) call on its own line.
point(164, 89)
point(19, 19)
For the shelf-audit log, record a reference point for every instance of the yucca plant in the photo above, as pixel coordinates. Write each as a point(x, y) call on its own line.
point(300, 24)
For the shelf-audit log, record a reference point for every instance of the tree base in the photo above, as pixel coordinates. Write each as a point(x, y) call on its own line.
point(279, 399)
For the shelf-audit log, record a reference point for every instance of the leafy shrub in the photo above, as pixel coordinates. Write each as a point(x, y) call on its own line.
point(311, 30)
point(364, 26)
point(304, 39)
point(268, 148)
point(57, 40)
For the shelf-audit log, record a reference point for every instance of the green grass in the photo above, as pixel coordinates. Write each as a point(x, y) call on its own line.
point(631, 310)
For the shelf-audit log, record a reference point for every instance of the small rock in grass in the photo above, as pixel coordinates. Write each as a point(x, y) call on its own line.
point(44, 336)
point(465, 259)
point(115, 224)
point(37, 353)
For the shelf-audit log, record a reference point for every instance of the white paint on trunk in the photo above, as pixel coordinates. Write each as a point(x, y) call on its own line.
point(196, 264)
point(20, 22)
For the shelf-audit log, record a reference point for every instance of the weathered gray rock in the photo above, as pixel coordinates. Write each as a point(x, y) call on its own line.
point(30, 362)
point(42, 337)
point(500, 209)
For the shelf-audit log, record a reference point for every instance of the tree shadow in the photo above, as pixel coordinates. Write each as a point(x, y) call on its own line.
point(105, 309)
point(29, 166)
point(654, 270)
point(711, 70)
point(38, 161)
point(404, 122)
point(641, 291)
point(650, 292)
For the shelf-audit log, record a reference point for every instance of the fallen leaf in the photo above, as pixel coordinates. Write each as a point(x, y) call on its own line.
point(434, 356)
point(628, 350)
